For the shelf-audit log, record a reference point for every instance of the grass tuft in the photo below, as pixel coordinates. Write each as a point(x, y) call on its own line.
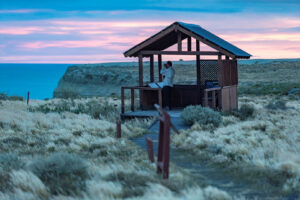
point(62, 173)
point(201, 115)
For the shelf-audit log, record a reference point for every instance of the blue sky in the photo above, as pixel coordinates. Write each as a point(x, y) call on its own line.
point(100, 31)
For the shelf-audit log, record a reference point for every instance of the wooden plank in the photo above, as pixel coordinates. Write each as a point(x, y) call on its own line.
point(151, 68)
point(233, 97)
point(213, 96)
point(189, 33)
point(149, 41)
point(212, 89)
point(160, 98)
point(179, 41)
point(204, 53)
point(159, 67)
point(226, 99)
point(189, 43)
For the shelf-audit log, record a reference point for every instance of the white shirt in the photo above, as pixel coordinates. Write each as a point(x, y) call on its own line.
point(169, 76)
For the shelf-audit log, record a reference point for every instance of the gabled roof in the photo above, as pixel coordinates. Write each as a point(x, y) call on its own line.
point(168, 37)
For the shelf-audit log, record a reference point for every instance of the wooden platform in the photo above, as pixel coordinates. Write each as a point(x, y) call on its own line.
point(148, 113)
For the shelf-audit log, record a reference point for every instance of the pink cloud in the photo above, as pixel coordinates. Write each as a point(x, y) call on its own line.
point(99, 32)
point(265, 38)
point(19, 30)
point(94, 58)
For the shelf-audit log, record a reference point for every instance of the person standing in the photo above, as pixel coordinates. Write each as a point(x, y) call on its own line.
point(168, 73)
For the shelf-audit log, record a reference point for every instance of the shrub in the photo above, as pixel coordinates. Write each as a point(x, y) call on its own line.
point(8, 162)
point(66, 93)
point(246, 111)
point(4, 96)
point(201, 115)
point(62, 173)
point(276, 105)
point(95, 108)
point(15, 98)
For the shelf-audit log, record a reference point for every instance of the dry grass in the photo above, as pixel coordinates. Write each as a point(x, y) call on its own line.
point(61, 154)
point(268, 141)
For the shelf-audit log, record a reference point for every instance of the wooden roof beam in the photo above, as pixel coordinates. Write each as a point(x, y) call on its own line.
point(204, 53)
point(149, 41)
point(187, 32)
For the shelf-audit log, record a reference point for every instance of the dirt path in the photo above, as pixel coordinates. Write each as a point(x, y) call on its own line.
point(238, 182)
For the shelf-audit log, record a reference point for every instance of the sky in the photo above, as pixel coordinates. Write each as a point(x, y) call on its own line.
point(94, 31)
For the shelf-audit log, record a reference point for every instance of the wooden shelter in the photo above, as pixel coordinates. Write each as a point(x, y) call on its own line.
point(217, 78)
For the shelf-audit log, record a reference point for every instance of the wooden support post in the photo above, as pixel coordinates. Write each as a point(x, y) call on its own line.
point(118, 129)
point(179, 41)
point(28, 93)
point(159, 67)
point(141, 82)
point(150, 149)
point(219, 93)
point(213, 96)
point(198, 63)
point(220, 71)
point(197, 45)
point(160, 98)
point(189, 43)
point(122, 101)
point(163, 157)
point(132, 99)
point(151, 68)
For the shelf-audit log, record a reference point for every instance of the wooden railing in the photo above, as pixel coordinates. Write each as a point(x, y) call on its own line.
point(140, 88)
point(214, 91)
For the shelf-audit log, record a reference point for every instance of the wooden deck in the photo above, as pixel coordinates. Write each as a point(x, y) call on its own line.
point(148, 113)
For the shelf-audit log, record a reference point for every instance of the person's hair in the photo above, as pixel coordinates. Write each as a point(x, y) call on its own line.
point(169, 63)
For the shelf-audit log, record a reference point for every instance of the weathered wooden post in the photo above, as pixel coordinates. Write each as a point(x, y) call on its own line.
point(163, 155)
point(28, 93)
point(118, 129)
point(150, 149)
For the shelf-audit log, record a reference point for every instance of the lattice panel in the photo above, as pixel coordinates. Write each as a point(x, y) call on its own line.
point(208, 70)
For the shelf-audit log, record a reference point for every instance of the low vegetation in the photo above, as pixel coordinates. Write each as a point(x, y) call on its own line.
point(246, 111)
point(276, 104)
point(252, 142)
point(4, 96)
point(201, 115)
point(57, 153)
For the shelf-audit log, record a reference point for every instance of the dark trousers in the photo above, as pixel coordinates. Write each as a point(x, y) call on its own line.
point(166, 94)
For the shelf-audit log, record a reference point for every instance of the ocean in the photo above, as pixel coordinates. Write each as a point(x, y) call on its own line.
point(39, 79)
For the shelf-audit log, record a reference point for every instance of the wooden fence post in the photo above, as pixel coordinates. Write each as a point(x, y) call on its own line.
point(150, 149)
point(28, 93)
point(118, 129)
point(163, 155)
